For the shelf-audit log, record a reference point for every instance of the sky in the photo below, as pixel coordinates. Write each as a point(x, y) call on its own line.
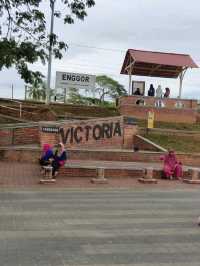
point(99, 44)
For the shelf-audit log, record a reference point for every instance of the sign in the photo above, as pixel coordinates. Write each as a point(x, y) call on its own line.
point(150, 122)
point(78, 134)
point(51, 129)
point(67, 80)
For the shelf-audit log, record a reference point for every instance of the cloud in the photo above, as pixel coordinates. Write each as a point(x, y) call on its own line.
point(169, 26)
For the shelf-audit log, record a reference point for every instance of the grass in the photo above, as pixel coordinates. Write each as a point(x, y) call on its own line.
point(178, 126)
point(178, 143)
point(84, 110)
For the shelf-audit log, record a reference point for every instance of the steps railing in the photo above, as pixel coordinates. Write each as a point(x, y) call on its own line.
point(20, 110)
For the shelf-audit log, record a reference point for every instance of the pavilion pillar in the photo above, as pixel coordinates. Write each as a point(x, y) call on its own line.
point(180, 85)
point(182, 74)
point(130, 82)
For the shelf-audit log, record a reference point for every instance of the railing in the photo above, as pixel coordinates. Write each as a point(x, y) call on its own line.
point(20, 107)
point(15, 109)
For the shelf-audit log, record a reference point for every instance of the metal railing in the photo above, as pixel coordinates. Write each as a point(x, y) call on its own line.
point(21, 111)
point(11, 108)
point(20, 107)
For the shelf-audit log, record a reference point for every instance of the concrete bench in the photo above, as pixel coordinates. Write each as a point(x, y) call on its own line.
point(148, 176)
point(47, 176)
point(193, 174)
point(146, 173)
point(100, 176)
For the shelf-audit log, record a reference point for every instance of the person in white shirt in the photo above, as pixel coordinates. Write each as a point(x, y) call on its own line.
point(159, 92)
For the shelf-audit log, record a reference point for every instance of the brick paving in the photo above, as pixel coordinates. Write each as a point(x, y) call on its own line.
point(18, 175)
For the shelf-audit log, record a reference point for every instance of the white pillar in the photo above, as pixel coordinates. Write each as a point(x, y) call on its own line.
point(52, 2)
point(130, 81)
point(180, 85)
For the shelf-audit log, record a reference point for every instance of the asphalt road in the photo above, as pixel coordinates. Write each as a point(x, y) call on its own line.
point(99, 227)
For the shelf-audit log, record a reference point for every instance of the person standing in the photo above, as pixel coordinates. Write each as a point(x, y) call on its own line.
point(167, 93)
point(159, 92)
point(151, 91)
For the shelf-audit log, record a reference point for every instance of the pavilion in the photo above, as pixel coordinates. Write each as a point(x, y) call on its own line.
point(156, 64)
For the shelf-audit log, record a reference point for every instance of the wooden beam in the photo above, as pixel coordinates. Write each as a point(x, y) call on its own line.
point(159, 70)
point(154, 69)
point(129, 66)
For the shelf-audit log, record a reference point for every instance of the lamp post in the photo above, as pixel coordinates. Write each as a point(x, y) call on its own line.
point(52, 4)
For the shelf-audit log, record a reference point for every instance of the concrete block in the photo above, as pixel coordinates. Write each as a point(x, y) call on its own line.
point(99, 181)
point(148, 173)
point(48, 171)
point(148, 180)
point(47, 181)
point(193, 173)
point(100, 173)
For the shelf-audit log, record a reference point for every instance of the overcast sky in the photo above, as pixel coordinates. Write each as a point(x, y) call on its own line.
point(117, 25)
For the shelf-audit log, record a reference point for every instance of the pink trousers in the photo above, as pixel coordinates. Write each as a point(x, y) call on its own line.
point(176, 172)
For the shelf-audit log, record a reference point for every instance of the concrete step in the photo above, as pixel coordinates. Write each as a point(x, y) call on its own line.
point(112, 169)
point(31, 153)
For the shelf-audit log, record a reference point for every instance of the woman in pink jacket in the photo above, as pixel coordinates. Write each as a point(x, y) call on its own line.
point(172, 168)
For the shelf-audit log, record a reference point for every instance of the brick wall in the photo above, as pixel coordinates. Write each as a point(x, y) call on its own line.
point(6, 137)
point(129, 133)
point(151, 101)
point(26, 136)
point(108, 173)
point(110, 132)
point(19, 136)
point(32, 155)
point(161, 114)
point(20, 155)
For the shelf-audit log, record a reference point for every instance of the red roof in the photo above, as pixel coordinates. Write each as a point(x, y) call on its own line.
point(157, 64)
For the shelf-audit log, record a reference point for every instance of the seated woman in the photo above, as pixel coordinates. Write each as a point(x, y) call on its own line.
point(59, 158)
point(137, 92)
point(172, 168)
point(46, 156)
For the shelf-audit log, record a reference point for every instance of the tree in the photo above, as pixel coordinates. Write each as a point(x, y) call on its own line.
point(73, 96)
point(37, 91)
point(34, 90)
point(23, 33)
point(106, 86)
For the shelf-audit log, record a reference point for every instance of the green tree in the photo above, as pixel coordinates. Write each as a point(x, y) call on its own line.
point(34, 90)
point(74, 96)
point(37, 91)
point(43, 90)
point(24, 35)
point(106, 86)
